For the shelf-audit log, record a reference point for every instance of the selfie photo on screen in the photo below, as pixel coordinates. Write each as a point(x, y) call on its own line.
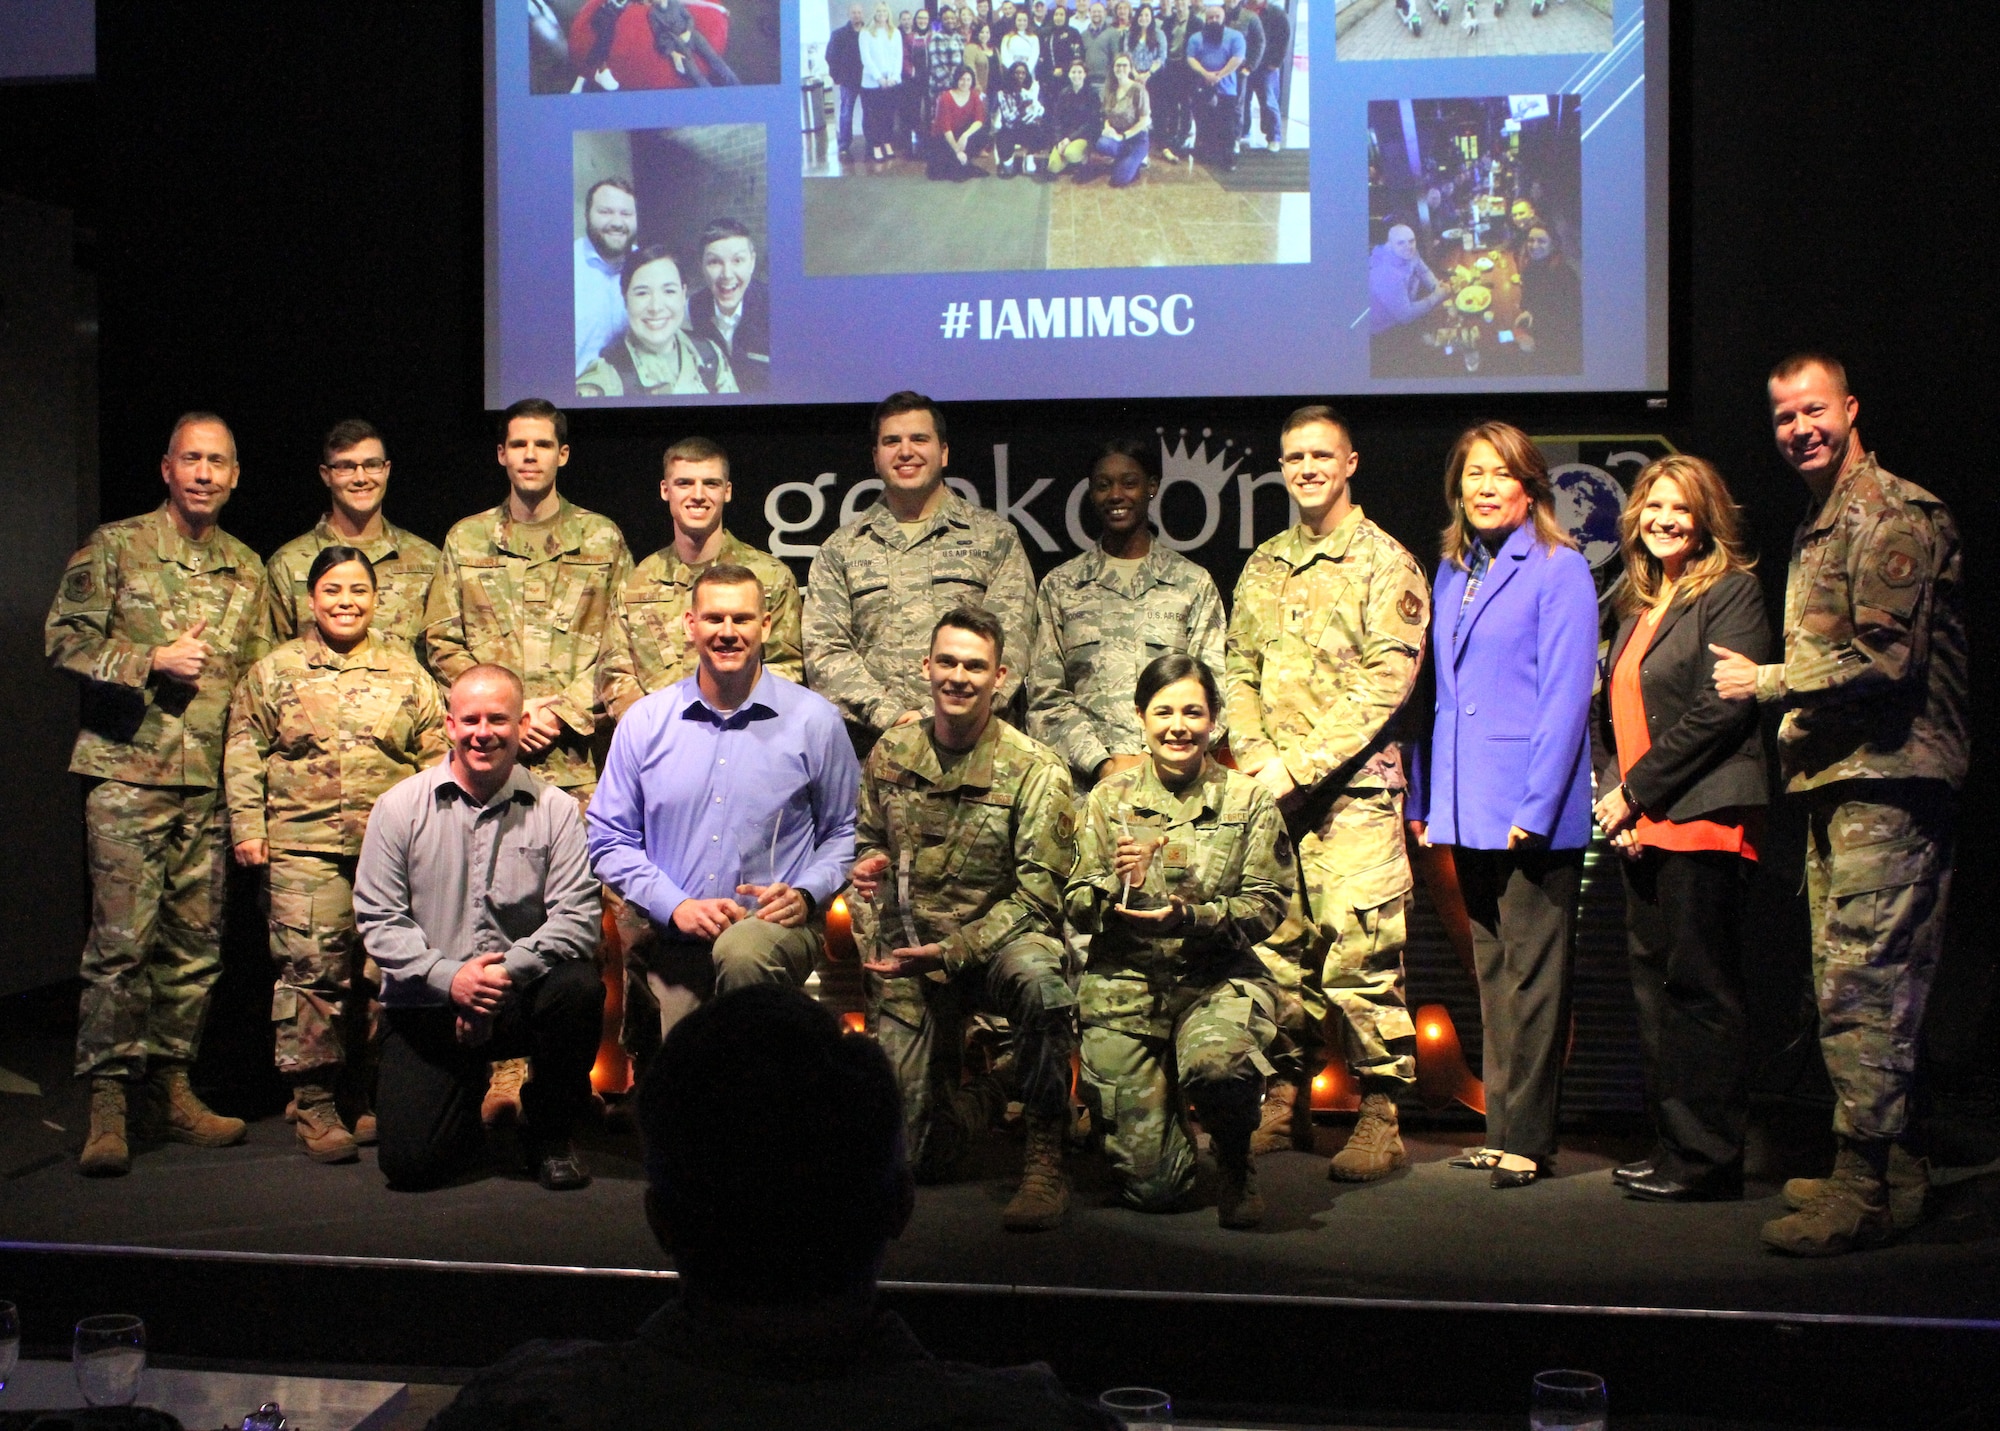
point(670, 226)
point(1475, 236)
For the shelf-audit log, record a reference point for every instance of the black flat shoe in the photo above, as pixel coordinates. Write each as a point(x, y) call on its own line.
point(1515, 1177)
point(1644, 1168)
point(561, 1170)
point(1655, 1188)
point(1478, 1159)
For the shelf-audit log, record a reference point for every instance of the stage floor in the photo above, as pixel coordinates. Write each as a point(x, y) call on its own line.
point(1431, 1234)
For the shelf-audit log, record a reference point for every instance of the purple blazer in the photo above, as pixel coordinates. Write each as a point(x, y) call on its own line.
point(1510, 740)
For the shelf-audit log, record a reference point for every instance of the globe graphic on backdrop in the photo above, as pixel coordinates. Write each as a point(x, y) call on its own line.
point(1588, 501)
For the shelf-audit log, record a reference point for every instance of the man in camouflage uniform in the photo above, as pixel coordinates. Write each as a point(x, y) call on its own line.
point(879, 583)
point(355, 467)
point(646, 645)
point(1324, 646)
point(318, 731)
point(966, 835)
point(1874, 740)
point(528, 586)
point(1187, 1015)
point(1102, 616)
point(156, 616)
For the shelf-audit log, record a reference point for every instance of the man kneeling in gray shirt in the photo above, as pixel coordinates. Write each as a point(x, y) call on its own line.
point(474, 897)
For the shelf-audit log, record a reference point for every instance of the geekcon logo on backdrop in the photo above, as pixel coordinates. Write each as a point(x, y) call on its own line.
point(1222, 490)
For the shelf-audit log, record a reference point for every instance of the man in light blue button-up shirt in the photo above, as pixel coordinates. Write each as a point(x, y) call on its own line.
point(724, 818)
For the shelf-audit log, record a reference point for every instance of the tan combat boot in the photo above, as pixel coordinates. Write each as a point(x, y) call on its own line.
point(365, 1131)
point(1909, 1181)
point(1043, 1197)
point(189, 1120)
point(1286, 1122)
point(1375, 1147)
point(502, 1103)
point(1850, 1214)
point(106, 1154)
point(1240, 1204)
point(317, 1122)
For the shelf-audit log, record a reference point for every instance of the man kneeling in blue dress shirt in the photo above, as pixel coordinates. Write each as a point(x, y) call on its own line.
point(724, 818)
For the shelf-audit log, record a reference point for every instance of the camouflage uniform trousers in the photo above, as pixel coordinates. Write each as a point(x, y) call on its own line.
point(1343, 962)
point(1148, 1054)
point(324, 1005)
point(156, 878)
point(920, 1023)
point(1878, 871)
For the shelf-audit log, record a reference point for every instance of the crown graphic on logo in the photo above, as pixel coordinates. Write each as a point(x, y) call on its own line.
point(1210, 474)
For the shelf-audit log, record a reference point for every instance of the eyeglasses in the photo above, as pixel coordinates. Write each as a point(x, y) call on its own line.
point(347, 467)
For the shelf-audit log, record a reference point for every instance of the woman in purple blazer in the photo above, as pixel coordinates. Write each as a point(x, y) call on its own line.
point(1505, 776)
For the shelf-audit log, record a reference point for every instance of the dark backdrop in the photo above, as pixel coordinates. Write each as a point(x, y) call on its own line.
point(287, 205)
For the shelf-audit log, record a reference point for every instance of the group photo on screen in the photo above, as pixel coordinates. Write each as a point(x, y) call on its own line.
point(1470, 29)
point(595, 46)
point(671, 226)
point(948, 137)
point(1475, 236)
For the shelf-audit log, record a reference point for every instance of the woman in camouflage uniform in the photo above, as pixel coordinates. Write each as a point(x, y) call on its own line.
point(1175, 1006)
point(318, 730)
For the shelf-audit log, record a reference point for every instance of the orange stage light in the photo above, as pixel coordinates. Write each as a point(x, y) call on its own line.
point(854, 1022)
point(1334, 1090)
point(1442, 1074)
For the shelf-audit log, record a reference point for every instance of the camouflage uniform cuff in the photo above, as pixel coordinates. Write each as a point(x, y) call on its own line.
point(1770, 683)
point(135, 669)
point(956, 953)
point(884, 712)
point(246, 827)
point(583, 722)
point(1206, 918)
point(1251, 754)
point(1300, 769)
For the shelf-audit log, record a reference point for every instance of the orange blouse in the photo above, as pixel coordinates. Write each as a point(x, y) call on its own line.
point(1735, 831)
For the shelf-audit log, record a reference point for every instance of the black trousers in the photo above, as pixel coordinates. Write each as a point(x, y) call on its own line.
point(1684, 929)
point(431, 1085)
point(1522, 905)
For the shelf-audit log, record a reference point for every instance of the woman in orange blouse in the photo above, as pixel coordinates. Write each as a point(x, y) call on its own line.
point(1681, 791)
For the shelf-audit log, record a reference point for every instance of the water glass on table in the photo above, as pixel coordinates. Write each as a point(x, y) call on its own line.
point(1568, 1401)
point(1142, 1408)
point(109, 1356)
point(10, 1341)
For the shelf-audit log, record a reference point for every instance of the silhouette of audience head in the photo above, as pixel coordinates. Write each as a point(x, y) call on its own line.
point(775, 1165)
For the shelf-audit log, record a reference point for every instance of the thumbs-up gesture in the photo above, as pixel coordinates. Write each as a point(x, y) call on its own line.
point(182, 658)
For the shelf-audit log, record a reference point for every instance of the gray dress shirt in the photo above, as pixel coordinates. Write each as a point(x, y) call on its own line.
point(443, 878)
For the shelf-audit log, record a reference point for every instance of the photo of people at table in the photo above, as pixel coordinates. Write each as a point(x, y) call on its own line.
point(670, 232)
point(600, 46)
point(1475, 236)
point(1125, 134)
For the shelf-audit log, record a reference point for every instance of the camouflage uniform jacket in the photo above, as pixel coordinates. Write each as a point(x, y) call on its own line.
point(1096, 629)
point(1226, 856)
point(1873, 683)
point(136, 585)
point(873, 593)
point(1324, 647)
point(404, 564)
point(990, 843)
point(536, 600)
point(316, 737)
point(646, 644)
